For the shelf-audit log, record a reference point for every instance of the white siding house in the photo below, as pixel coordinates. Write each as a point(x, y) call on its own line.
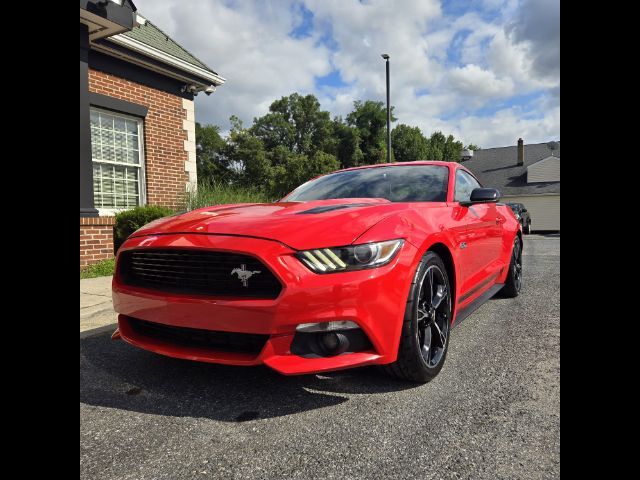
point(544, 209)
point(546, 170)
point(527, 174)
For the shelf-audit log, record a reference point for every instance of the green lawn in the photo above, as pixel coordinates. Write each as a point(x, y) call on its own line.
point(100, 269)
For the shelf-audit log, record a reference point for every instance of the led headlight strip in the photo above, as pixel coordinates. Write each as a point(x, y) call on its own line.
point(352, 257)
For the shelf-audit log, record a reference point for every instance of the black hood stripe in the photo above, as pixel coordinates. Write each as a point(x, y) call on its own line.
point(330, 208)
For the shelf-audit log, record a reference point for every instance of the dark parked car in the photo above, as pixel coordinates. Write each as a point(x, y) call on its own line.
point(522, 214)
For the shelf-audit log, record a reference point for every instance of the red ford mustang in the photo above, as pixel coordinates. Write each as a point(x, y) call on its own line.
point(369, 265)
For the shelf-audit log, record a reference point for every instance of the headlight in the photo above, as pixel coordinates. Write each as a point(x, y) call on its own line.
point(353, 257)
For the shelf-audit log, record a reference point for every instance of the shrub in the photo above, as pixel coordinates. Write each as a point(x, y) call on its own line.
point(129, 221)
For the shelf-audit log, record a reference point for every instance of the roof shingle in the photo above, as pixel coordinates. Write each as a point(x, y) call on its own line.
point(151, 35)
point(497, 168)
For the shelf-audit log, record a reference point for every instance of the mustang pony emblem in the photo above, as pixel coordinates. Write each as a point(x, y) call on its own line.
point(244, 275)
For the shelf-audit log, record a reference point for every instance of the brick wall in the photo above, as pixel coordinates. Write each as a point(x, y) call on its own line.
point(96, 239)
point(164, 135)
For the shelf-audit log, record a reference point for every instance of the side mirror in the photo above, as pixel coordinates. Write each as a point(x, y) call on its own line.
point(482, 195)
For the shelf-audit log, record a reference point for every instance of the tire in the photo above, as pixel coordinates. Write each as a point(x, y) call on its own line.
point(527, 229)
point(513, 284)
point(424, 339)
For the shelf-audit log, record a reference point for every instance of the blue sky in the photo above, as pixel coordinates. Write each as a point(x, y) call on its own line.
point(486, 71)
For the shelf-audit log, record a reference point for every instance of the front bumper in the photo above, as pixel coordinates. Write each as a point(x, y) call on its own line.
point(375, 299)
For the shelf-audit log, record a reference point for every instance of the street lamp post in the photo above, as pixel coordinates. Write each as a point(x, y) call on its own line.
point(386, 57)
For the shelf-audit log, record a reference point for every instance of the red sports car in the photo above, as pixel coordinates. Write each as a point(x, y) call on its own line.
point(366, 266)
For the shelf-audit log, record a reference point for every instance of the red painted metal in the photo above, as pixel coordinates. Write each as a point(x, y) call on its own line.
point(375, 299)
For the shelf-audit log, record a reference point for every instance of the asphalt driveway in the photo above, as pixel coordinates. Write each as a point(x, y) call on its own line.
point(493, 412)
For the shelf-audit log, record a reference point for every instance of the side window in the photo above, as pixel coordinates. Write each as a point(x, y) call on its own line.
point(465, 184)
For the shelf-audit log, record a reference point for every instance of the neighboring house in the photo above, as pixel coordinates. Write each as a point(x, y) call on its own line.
point(137, 124)
point(527, 174)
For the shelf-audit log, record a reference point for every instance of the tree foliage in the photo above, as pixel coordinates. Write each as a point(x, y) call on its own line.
point(345, 144)
point(409, 144)
point(444, 148)
point(210, 158)
point(296, 140)
point(452, 151)
point(370, 120)
point(295, 122)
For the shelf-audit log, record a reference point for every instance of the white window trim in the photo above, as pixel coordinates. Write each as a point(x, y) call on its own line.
point(142, 178)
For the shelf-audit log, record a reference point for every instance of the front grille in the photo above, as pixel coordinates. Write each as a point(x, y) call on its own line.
point(193, 337)
point(199, 272)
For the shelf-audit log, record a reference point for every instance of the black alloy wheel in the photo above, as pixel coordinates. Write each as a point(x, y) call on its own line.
point(433, 316)
point(513, 284)
point(426, 326)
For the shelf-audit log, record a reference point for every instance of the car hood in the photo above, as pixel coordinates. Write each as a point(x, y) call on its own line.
point(300, 225)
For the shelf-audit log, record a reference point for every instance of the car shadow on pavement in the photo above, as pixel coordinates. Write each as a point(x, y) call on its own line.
point(114, 374)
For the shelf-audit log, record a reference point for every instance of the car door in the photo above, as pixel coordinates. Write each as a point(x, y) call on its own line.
point(482, 233)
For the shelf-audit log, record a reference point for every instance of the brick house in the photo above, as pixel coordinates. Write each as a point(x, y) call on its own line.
point(137, 124)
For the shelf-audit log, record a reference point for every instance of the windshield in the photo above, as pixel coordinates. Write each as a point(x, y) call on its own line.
point(407, 183)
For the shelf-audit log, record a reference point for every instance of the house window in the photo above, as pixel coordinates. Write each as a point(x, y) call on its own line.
point(116, 151)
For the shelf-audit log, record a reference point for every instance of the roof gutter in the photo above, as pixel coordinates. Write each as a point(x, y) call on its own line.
point(137, 46)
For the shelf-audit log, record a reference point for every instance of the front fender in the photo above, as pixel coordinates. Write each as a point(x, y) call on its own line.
point(424, 233)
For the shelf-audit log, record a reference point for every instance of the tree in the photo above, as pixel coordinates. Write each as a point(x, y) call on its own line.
point(370, 119)
point(296, 141)
point(436, 146)
point(295, 122)
point(321, 163)
point(409, 144)
point(210, 160)
point(345, 144)
point(276, 170)
point(289, 169)
point(472, 147)
point(452, 151)
point(246, 157)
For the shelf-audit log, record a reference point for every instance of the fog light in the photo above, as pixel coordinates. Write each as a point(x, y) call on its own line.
point(333, 343)
point(328, 343)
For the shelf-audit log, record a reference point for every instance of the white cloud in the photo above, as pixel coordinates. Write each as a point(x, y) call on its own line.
point(249, 45)
point(443, 68)
point(471, 80)
point(506, 126)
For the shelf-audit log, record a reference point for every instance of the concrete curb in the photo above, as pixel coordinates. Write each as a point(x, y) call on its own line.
point(97, 331)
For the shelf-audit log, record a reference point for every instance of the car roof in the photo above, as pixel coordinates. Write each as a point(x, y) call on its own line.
point(400, 164)
point(450, 165)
